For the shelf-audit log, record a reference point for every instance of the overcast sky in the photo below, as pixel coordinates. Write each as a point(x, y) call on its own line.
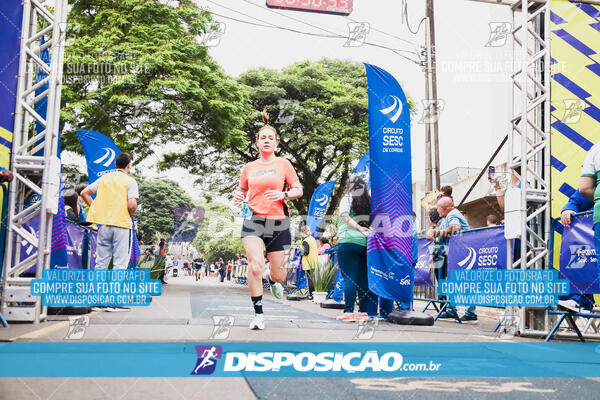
point(473, 79)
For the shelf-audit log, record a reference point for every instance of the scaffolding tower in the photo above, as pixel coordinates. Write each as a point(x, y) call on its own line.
point(34, 161)
point(529, 145)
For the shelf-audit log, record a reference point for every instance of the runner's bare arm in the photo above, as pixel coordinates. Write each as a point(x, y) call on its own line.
point(294, 193)
point(587, 186)
point(240, 194)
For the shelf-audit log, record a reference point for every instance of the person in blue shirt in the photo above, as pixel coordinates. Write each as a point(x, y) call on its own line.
point(452, 221)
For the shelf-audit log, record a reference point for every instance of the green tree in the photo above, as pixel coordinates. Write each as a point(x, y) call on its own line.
point(218, 224)
point(329, 129)
point(157, 200)
point(137, 71)
point(225, 248)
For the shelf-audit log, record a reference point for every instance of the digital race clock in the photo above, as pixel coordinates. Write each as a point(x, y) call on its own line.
point(342, 7)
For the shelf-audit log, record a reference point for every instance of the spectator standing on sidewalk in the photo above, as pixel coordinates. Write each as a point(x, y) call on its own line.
point(221, 265)
point(452, 221)
point(113, 209)
point(79, 188)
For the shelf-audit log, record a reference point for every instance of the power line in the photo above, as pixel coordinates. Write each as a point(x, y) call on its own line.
point(316, 26)
point(331, 34)
point(415, 45)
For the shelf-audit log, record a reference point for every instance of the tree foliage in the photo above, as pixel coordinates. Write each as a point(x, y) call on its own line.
point(157, 200)
point(328, 131)
point(136, 71)
point(219, 234)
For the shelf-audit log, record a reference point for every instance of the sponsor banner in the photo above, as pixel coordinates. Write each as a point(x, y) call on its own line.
point(575, 84)
point(100, 153)
point(297, 359)
point(74, 247)
point(424, 264)
point(578, 258)
point(10, 46)
point(478, 249)
point(338, 289)
point(390, 248)
point(363, 169)
point(318, 206)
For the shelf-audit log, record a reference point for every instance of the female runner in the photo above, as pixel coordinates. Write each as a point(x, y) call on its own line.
point(266, 183)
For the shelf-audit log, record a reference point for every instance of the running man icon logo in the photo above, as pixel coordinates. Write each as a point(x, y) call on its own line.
point(212, 36)
point(366, 329)
point(432, 110)
point(470, 259)
point(395, 109)
point(322, 200)
point(222, 327)
point(107, 158)
point(77, 326)
point(207, 359)
point(573, 110)
point(287, 110)
point(357, 33)
point(499, 32)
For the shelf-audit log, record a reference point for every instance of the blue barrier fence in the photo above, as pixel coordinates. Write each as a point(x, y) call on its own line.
point(577, 255)
point(81, 245)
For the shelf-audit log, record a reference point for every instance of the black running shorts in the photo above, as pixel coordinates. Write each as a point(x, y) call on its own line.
point(275, 233)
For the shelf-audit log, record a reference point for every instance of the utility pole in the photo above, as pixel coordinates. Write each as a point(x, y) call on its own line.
point(433, 112)
point(428, 170)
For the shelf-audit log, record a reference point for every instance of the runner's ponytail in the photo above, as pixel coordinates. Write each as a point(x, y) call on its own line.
point(265, 118)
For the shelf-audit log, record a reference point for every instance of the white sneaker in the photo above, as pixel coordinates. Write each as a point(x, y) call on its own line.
point(258, 322)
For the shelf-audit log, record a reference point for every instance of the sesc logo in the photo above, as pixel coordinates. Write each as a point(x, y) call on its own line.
point(107, 158)
point(395, 109)
point(322, 201)
point(207, 359)
point(405, 281)
point(469, 259)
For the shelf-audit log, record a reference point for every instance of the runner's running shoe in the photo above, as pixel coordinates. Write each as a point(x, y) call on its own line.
point(277, 290)
point(258, 323)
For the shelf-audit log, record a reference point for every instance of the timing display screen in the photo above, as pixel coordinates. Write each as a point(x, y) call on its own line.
point(342, 7)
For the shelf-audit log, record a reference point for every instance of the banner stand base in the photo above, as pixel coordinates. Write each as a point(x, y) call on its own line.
point(410, 318)
point(69, 310)
point(330, 303)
